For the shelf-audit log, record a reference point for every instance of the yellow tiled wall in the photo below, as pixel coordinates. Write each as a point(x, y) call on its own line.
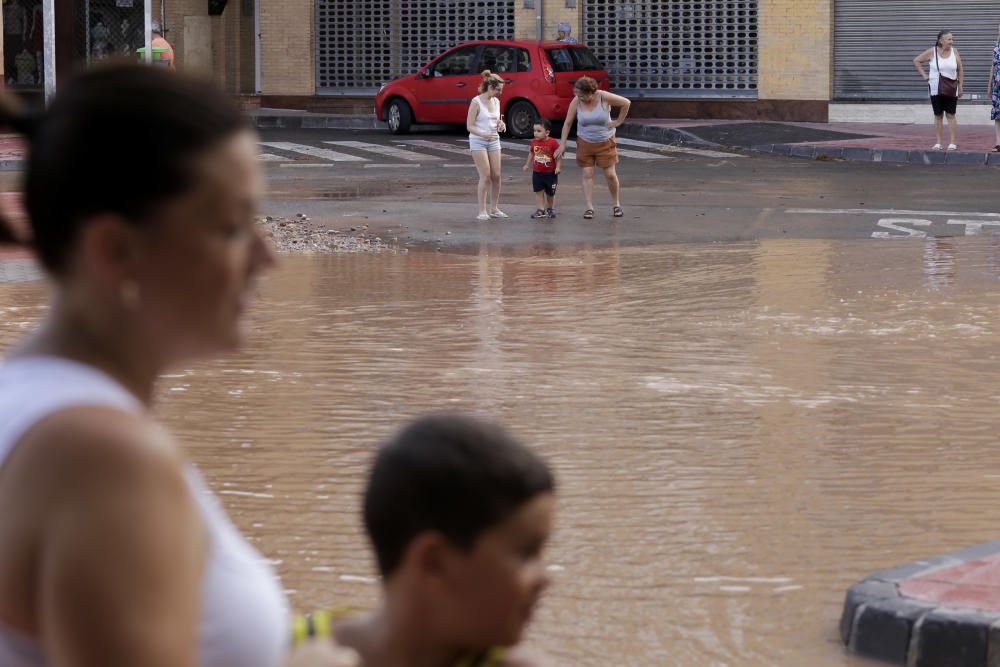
point(795, 42)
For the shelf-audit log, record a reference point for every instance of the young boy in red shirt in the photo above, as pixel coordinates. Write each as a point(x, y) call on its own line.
point(545, 169)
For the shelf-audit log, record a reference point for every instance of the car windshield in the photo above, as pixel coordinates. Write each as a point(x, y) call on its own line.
point(572, 59)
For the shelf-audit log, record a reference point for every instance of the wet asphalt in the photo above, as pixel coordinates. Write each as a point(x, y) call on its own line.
point(676, 197)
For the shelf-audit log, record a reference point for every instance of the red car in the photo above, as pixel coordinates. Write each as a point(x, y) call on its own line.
point(539, 76)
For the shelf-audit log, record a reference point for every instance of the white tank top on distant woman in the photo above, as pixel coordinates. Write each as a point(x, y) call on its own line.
point(244, 617)
point(949, 67)
point(488, 116)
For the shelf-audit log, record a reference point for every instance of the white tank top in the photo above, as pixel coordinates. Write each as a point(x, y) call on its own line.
point(487, 118)
point(949, 67)
point(244, 616)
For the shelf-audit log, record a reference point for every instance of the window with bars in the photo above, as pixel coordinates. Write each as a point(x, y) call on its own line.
point(667, 48)
point(362, 44)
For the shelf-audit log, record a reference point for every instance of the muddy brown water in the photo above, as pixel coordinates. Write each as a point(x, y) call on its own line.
point(740, 431)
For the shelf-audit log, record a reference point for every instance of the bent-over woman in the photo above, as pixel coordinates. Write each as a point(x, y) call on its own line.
point(485, 124)
point(945, 70)
point(595, 138)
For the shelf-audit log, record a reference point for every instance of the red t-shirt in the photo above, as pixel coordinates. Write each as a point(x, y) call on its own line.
point(543, 155)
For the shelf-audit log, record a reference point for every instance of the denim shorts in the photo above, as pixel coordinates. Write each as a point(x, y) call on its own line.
point(480, 144)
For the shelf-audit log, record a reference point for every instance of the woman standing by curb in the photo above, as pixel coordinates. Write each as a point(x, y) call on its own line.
point(994, 90)
point(945, 83)
point(595, 134)
point(485, 124)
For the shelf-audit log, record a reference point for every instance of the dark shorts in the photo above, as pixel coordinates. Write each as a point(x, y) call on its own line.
point(541, 180)
point(944, 105)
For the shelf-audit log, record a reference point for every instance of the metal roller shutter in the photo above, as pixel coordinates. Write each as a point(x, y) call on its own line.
point(875, 43)
point(665, 48)
point(361, 44)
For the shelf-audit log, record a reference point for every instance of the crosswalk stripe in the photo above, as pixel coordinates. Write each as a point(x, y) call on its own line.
point(390, 151)
point(312, 151)
point(271, 157)
point(434, 145)
point(407, 165)
point(624, 152)
point(674, 149)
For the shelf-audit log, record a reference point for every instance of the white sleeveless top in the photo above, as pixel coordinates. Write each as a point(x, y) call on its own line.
point(949, 67)
point(487, 118)
point(244, 616)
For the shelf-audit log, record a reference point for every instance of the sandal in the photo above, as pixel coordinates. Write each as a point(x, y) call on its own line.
point(539, 213)
point(483, 217)
point(497, 213)
point(617, 212)
point(996, 149)
point(588, 214)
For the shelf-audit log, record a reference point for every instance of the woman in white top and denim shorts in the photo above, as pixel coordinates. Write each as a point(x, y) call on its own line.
point(944, 61)
point(485, 123)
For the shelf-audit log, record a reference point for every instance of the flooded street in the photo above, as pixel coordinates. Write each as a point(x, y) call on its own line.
point(740, 431)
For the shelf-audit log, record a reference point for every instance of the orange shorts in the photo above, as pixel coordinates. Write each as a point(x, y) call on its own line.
point(604, 154)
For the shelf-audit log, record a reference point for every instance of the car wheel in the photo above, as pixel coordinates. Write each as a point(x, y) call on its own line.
point(521, 119)
point(399, 117)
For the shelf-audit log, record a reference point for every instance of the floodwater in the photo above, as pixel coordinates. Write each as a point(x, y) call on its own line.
point(740, 431)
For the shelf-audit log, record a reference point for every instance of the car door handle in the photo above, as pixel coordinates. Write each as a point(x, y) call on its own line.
point(461, 84)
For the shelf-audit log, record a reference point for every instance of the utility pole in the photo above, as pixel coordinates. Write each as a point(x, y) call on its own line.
point(49, 47)
point(148, 31)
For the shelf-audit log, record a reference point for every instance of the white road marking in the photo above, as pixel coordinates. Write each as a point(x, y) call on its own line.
point(271, 157)
point(301, 165)
point(390, 151)
point(434, 145)
point(408, 165)
point(888, 211)
point(973, 227)
point(312, 151)
point(904, 232)
point(703, 152)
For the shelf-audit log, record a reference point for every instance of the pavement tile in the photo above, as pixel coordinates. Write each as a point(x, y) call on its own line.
point(830, 152)
point(894, 155)
point(926, 157)
point(994, 159)
point(781, 149)
point(803, 151)
point(884, 628)
point(951, 637)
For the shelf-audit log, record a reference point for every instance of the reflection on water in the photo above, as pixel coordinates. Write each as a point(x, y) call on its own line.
point(740, 431)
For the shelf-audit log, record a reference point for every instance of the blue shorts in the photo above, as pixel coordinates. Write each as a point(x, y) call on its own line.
point(547, 181)
point(480, 144)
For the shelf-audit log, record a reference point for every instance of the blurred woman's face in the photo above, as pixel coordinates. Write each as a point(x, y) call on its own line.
point(585, 96)
point(946, 40)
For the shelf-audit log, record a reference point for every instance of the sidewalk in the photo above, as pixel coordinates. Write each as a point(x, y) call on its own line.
point(940, 612)
point(863, 142)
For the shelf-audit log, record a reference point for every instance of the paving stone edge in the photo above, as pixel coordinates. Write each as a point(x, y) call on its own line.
point(879, 622)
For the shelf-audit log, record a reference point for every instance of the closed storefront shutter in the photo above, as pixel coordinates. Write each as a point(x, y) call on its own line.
point(664, 48)
point(362, 44)
point(875, 44)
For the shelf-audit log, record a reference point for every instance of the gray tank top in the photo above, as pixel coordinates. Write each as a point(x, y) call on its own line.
point(592, 126)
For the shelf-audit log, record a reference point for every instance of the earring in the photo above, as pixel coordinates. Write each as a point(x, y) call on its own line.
point(129, 292)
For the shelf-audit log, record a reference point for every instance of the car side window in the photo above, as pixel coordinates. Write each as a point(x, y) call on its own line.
point(560, 59)
point(497, 59)
point(456, 63)
point(523, 60)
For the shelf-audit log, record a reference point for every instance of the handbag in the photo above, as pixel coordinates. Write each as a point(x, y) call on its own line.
point(947, 87)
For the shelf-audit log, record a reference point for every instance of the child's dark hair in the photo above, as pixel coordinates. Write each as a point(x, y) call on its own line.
point(120, 139)
point(545, 123)
point(453, 474)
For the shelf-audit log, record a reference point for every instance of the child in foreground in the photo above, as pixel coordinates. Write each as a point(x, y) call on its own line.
point(458, 513)
point(545, 169)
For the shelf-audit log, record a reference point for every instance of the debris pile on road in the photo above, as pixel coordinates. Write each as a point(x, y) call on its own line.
point(296, 235)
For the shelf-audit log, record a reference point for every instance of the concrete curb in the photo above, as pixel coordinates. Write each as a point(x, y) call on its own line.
point(890, 155)
point(313, 121)
point(879, 622)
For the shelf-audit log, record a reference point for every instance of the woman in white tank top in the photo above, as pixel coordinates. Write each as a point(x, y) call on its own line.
point(485, 123)
point(141, 190)
point(943, 60)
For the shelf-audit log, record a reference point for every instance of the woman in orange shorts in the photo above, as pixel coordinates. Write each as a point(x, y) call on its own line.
point(595, 138)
